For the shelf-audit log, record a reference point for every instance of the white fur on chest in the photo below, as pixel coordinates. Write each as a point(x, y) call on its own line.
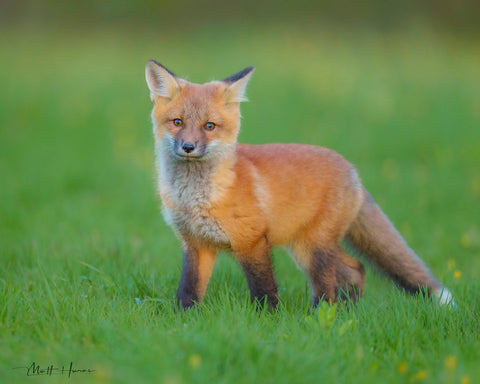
point(186, 192)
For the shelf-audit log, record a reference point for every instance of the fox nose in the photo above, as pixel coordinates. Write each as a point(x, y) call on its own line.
point(188, 147)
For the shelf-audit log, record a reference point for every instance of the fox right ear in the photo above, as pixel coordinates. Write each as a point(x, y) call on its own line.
point(161, 82)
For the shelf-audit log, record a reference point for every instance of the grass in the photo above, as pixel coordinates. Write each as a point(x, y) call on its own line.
point(88, 269)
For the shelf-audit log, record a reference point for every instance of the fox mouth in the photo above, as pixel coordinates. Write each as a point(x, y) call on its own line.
point(189, 156)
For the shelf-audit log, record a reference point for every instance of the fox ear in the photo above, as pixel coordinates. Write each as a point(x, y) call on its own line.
point(236, 85)
point(161, 82)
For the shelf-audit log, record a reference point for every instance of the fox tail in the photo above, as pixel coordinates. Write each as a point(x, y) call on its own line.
point(374, 235)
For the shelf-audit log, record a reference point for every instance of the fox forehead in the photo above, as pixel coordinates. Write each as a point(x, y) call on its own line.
point(195, 102)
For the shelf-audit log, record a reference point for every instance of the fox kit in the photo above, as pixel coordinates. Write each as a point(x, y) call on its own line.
point(246, 199)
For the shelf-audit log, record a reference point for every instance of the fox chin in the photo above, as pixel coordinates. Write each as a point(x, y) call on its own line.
point(219, 195)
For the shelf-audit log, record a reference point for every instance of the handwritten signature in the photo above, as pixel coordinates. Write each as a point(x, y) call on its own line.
point(36, 370)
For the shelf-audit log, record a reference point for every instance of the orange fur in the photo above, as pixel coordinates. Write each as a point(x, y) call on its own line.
point(220, 195)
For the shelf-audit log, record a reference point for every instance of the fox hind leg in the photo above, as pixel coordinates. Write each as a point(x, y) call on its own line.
point(332, 273)
point(319, 264)
point(323, 276)
point(350, 277)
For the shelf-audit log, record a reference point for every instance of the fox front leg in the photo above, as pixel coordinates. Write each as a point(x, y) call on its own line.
point(258, 269)
point(196, 271)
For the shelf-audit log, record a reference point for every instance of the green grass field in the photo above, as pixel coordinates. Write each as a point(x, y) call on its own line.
point(89, 270)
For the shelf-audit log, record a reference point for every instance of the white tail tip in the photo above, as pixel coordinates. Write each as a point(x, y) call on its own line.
point(444, 297)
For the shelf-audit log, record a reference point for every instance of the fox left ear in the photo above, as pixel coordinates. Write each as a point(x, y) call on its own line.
point(236, 85)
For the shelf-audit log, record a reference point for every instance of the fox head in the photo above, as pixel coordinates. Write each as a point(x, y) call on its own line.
point(195, 121)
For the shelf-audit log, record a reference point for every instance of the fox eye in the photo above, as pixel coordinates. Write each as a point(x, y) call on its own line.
point(177, 122)
point(210, 126)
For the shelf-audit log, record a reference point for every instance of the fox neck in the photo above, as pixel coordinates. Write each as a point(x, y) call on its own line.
point(184, 183)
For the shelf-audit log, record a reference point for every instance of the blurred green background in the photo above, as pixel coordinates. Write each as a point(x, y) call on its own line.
point(189, 14)
point(394, 87)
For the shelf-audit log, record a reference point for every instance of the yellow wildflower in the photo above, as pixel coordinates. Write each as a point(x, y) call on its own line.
point(402, 367)
point(450, 362)
point(421, 375)
point(195, 361)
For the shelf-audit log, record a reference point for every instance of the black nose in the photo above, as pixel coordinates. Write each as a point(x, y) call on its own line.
point(188, 147)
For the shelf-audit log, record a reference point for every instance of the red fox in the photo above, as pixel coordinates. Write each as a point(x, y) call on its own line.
point(221, 195)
